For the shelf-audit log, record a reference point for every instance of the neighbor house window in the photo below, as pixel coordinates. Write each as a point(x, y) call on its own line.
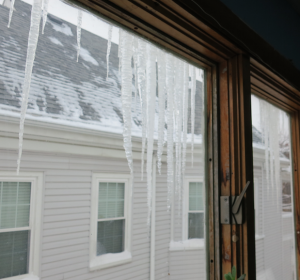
point(286, 196)
point(111, 219)
point(196, 210)
point(110, 224)
point(193, 229)
point(19, 229)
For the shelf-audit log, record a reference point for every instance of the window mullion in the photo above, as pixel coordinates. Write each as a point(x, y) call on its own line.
point(111, 219)
point(14, 229)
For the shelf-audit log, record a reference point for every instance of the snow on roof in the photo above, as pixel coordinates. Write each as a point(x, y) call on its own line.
point(62, 90)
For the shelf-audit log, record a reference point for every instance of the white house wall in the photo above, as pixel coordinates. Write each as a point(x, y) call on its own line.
point(66, 220)
point(67, 202)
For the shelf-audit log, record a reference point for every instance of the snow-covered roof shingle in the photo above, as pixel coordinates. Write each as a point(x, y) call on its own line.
point(62, 90)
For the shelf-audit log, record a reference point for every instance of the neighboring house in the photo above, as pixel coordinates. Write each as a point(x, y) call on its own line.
point(71, 205)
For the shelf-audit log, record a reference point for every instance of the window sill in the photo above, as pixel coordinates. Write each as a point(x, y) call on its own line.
point(22, 277)
point(109, 260)
point(259, 237)
point(190, 244)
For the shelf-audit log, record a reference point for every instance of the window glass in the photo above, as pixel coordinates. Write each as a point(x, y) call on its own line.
point(14, 214)
point(275, 247)
point(110, 234)
point(196, 211)
point(74, 125)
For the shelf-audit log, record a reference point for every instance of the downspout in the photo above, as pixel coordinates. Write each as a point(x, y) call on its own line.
point(153, 217)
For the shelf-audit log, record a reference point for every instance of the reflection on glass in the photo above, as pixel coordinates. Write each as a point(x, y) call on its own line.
point(79, 103)
point(275, 242)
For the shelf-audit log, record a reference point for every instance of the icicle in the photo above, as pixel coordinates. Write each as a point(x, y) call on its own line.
point(141, 66)
point(108, 48)
point(45, 13)
point(178, 121)
point(162, 103)
point(185, 114)
point(178, 112)
point(11, 10)
point(127, 94)
point(32, 43)
point(79, 23)
point(151, 96)
point(135, 46)
point(120, 49)
point(193, 92)
point(170, 121)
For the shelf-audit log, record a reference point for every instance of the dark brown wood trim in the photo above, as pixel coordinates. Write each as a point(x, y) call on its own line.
point(216, 14)
point(295, 125)
point(237, 158)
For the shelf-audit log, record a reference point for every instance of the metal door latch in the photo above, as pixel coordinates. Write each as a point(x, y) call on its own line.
point(231, 208)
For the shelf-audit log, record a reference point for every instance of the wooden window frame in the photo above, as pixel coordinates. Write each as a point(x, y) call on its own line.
point(230, 53)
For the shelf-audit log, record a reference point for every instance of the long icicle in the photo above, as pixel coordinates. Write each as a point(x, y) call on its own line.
point(110, 27)
point(185, 114)
point(11, 10)
point(162, 103)
point(170, 122)
point(127, 94)
point(151, 96)
point(32, 44)
point(179, 114)
point(141, 67)
point(45, 13)
point(79, 23)
point(135, 50)
point(120, 49)
point(193, 92)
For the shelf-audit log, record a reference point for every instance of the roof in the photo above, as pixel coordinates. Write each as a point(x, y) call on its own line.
point(62, 90)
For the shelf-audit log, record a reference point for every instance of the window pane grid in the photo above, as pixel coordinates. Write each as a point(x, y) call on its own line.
point(111, 218)
point(196, 211)
point(14, 251)
point(111, 200)
point(196, 201)
point(14, 204)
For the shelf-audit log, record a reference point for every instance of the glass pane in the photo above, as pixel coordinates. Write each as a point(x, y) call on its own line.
point(196, 199)
point(274, 217)
point(14, 250)
point(196, 225)
point(110, 237)
point(14, 204)
point(80, 101)
point(111, 200)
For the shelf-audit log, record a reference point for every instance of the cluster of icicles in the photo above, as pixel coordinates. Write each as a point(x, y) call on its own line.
point(152, 66)
point(272, 121)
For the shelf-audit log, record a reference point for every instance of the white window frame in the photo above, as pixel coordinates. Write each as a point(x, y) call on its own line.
point(35, 219)
point(109, 260)
point(188, 244)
